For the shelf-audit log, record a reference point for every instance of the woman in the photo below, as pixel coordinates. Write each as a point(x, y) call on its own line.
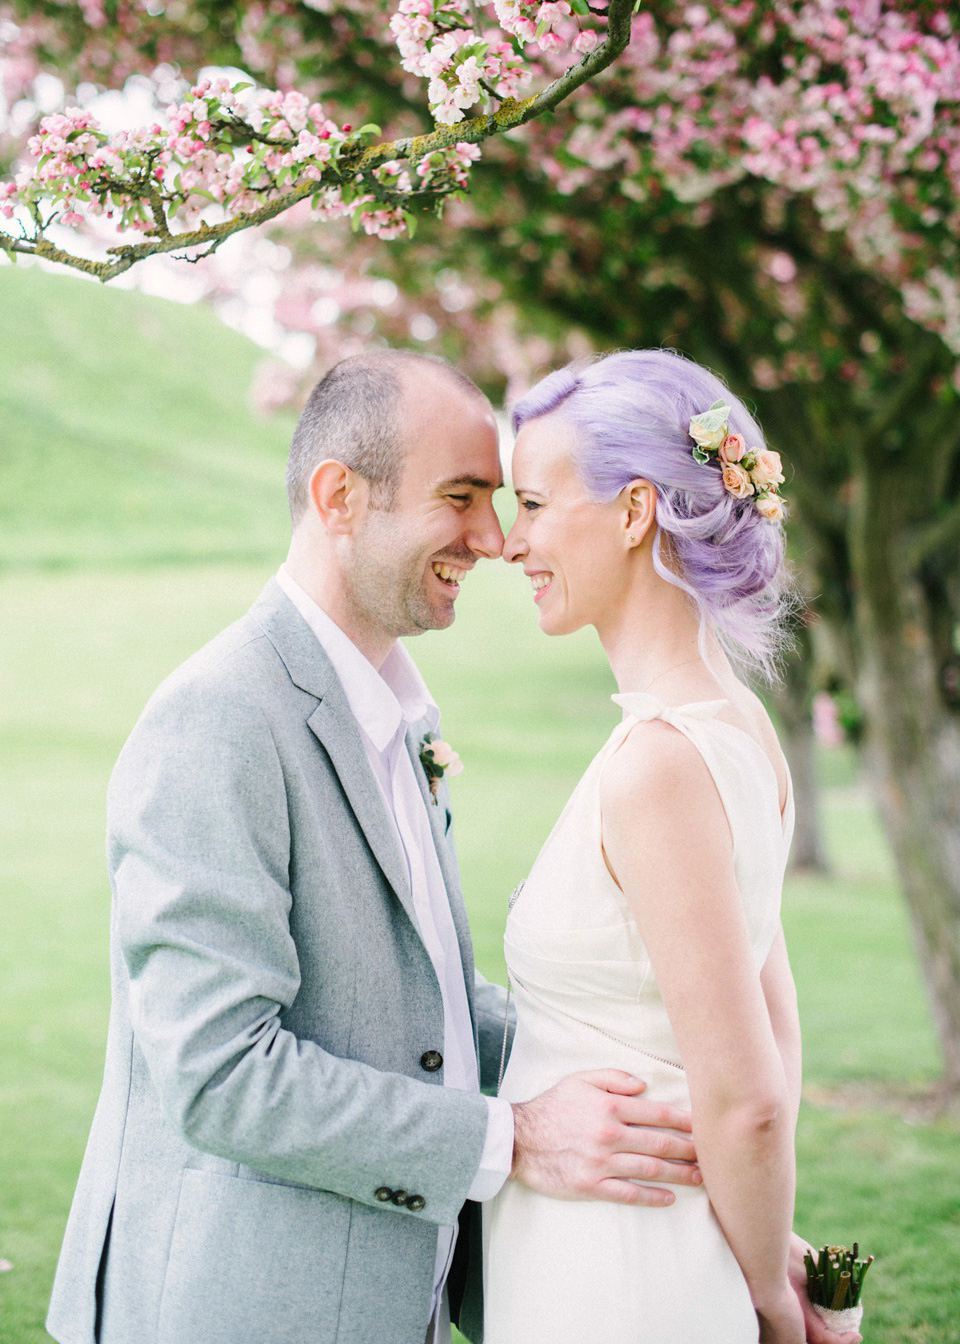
point(647, 936)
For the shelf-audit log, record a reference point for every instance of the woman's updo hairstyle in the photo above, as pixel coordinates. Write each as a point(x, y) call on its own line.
point(632, 414)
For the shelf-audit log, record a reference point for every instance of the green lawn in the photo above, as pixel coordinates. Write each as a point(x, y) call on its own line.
point(91, 620)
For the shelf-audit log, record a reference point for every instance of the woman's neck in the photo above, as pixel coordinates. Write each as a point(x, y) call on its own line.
point(656, 635)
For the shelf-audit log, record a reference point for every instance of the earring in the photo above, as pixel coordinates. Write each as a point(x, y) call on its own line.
point(631, 538)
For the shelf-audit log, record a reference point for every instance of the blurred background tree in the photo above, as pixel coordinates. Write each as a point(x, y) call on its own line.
point(772, 190)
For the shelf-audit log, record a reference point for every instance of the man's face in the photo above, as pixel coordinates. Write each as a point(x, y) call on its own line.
point(405, 564)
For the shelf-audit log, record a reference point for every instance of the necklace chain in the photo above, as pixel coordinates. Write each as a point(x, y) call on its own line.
point(667, 670)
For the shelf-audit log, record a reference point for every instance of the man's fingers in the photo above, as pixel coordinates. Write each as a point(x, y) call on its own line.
point(665, 1143)
point(638, 1167)
point(614, 1080)
point(640, 1111)
point(628, 1192)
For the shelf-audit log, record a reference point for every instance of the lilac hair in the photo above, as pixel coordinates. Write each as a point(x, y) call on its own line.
point(632, 411)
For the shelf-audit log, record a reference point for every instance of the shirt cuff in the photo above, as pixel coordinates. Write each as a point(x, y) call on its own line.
point(497, 1156)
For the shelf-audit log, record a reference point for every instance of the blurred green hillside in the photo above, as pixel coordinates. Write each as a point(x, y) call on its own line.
point(125, 431)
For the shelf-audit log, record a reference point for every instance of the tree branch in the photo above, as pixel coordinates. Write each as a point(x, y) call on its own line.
point(941, 535)
point(359, 163)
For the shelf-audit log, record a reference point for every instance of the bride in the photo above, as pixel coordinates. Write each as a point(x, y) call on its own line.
point(647, 936)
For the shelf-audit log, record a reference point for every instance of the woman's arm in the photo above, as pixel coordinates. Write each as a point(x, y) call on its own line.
point(780, 995)
point(667, 840)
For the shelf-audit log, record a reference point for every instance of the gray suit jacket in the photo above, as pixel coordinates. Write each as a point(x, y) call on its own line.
point(269, 1158)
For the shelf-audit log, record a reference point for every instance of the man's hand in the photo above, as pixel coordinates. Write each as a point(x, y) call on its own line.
point(817, 1332)
point(593, 1136)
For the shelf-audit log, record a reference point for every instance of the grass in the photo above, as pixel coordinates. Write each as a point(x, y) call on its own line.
point(92, 620)
point(126, 432)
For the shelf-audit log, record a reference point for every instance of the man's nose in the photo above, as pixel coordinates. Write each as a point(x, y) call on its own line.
point(487, 538)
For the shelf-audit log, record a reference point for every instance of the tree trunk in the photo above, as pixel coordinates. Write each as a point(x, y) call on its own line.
point(913, 744)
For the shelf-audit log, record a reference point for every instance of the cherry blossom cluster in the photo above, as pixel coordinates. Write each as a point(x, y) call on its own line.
point(855, 107)
point(439, 45)
point(217, 147)
point(438, 41)
point(223, 146)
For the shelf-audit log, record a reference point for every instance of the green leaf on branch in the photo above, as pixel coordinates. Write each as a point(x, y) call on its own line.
point(371, 128)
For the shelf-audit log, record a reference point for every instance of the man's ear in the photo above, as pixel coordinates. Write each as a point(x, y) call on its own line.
point(339, 496)
point(640, 510)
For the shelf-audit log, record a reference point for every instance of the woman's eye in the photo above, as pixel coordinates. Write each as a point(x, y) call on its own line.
point(529, 504)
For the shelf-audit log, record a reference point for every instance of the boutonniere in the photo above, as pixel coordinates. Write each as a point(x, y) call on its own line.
point(438, 758)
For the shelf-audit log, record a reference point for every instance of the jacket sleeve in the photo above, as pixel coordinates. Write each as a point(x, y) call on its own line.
point(199, 852)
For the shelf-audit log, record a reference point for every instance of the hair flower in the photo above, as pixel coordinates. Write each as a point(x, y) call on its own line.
point(747, 473)
point(709, 429)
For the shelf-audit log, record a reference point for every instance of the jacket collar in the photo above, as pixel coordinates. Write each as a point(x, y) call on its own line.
point(334, 726)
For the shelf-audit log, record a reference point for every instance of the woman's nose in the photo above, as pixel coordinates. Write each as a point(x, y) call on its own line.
point(515, 547)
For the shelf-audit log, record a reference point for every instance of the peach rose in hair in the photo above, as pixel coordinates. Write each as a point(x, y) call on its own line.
point(770, 507)
point(737, 482)
point(767, 470)
point(732, 449)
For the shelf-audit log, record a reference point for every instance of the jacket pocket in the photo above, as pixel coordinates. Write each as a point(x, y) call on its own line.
point(252, 1262)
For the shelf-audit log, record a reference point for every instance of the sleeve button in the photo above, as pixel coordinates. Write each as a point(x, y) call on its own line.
point(383, 1194)
point(415, 1203)
point(399, 1197)
point(431, 1060)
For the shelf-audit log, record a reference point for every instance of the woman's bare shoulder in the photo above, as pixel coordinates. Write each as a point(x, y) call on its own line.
point(655, 768)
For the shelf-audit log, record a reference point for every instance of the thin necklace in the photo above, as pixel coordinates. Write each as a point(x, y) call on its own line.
point(667, 670)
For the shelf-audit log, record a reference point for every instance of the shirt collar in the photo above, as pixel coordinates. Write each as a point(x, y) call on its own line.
point(380, 701)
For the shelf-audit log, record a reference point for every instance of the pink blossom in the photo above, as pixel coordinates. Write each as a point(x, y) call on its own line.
point(586, 41)
point(826, 721)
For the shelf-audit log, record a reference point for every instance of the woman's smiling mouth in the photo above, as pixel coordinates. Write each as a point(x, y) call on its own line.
point(541, 582)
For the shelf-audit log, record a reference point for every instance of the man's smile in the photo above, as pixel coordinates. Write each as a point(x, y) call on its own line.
point(451, 575)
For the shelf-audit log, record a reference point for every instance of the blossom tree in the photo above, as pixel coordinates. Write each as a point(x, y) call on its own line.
point(774, 189)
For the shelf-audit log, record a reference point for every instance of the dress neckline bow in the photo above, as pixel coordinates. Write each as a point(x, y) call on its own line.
point(640, 705)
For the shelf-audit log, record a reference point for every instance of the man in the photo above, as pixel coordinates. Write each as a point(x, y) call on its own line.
point(290, 1120)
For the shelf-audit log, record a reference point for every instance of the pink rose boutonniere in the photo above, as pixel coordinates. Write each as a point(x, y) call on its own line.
point(438, 758)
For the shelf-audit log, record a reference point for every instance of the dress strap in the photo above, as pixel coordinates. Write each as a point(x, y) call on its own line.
point(639, 705)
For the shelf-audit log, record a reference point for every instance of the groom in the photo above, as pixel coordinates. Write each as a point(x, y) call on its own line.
point(290, 1123)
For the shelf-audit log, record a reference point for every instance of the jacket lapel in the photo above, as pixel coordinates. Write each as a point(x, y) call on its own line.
point(443, 844)
point(335, 728)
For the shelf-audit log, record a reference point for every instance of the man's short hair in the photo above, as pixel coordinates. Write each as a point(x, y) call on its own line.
point(353, 417)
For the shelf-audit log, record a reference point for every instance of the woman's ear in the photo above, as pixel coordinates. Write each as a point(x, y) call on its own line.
point(338, 495)
point(639, 510)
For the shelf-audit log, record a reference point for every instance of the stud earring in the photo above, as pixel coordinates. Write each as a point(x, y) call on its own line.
point(631, 538)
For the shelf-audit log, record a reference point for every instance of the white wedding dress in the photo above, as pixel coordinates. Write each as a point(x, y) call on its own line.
point(594, 1272)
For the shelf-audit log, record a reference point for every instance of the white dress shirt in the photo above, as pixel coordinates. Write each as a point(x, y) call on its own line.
point(384, 703)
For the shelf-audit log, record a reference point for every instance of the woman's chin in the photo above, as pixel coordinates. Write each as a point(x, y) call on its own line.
point(554, 624)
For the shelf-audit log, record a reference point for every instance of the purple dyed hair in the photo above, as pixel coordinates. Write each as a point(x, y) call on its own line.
point(632, 413)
